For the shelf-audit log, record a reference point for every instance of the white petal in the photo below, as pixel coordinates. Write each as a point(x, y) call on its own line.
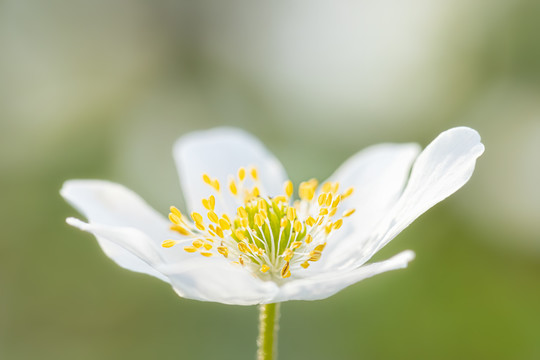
point(442, 168)
point(108, 203)
point(128, 247)
point(378, 175)
point(219, 281)
point(219, 153)
point(325, 285)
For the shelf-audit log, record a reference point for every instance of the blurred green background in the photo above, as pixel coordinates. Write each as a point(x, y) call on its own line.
point(101, 89)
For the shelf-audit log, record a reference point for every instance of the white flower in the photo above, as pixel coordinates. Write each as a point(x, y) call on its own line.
point(248, 242)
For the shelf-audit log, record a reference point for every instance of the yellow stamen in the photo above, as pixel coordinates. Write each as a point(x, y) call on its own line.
point(225, 225)
point(233, 188)
point(285, 273)
point(168, 243)
point(288, 188)
point(176, 212)
point(190, 249)
point(254, 174)
point(348, 212)
point(241, 174)
point(212, 216)
point(265, 268)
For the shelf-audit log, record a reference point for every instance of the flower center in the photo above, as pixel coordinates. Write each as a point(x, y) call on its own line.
point(270, 236)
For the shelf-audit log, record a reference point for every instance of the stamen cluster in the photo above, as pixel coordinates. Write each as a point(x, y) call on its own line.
point(270, 236)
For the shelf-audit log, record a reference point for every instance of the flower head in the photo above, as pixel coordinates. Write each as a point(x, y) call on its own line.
point(248, 239)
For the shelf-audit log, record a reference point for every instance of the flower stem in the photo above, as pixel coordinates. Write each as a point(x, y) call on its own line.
point(268, 329)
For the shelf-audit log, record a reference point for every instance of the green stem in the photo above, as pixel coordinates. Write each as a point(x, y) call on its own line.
point(268, 329)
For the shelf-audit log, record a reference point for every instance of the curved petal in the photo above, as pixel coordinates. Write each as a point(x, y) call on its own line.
point(128, 247)
point(220, 153)
point(442, 168)
point(219, 281)
point(109, 203)
point(378, 175)
point(325, 285)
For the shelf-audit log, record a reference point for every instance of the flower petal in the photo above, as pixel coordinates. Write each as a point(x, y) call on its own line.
point(325, 285)
point(442, 168)
point(219, 281)
point(378, 175)
point(109, 203)
point(128, 247)
point(219, 153)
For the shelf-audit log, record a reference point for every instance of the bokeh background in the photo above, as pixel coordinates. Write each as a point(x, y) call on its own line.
point(101, 89)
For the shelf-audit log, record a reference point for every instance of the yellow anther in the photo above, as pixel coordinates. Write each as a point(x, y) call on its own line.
point(199, 226)
point(180, 229)
point(335, 187)
point(241, 260)
point(242, 212)
point(291, 213)
point(241, 174)
point(321, 220)
point(206, 254)
point(328, 200)
point(219, 232)
point(347, 193)
point(305, 264)
point(338, 224)
point(288, 254)
point(255, 192)
point(223, 251)
point(259, 221)
point(322, 198)
point(243, 247)
point(323, 211)
point(207, 179)
point(332, 212)
point(328, 228)
point(225, 225)
point(308, 239)
point(233, 188)
point(224, 216)
point(168, 243)
point(348, 212)
point(245, 223)
point(207, 246)
point(212, 201)
point(310, 221)
point(306, 189)
point(174, 219)
point(296, 244)
point(263, 214)
point(240, 235)
point(265, 268)
point(215, 184)
point(212, 216)
point(197, 217)
point(284, 222)
point(198, 243)
point(288, 188)
point(279, 199)
point(285, 273)
point(326, 187)
point(190, 249)
point(297, 226)
point(253, 173)
point(315, 255)
point(336, 201)
point(206, 204)
point(176, 212)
